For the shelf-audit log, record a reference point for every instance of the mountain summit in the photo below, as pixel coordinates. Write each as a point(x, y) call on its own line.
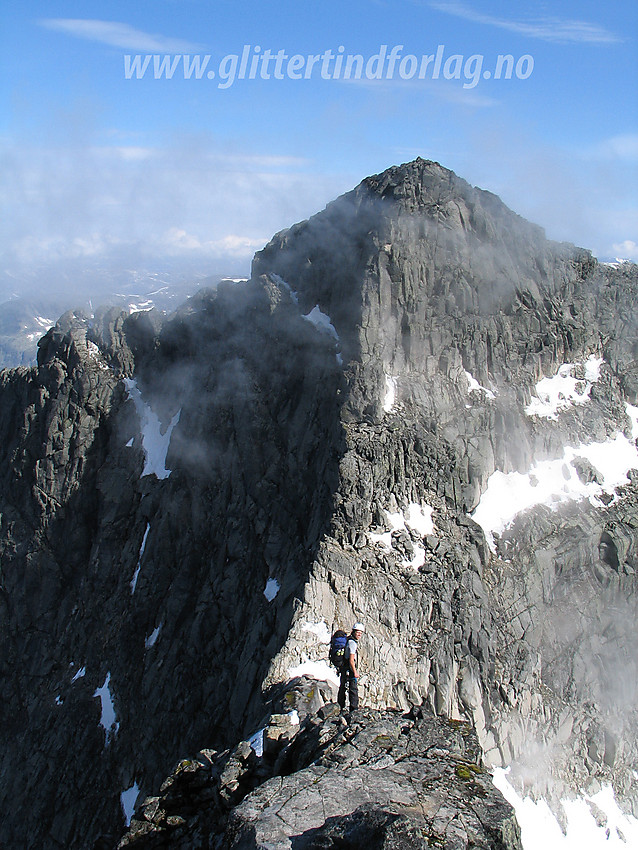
point(418, 413)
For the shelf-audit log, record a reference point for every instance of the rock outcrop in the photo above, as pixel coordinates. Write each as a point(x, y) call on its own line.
point(190, 504)
point(375, 779)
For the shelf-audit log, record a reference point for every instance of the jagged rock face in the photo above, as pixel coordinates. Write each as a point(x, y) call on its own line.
point(186, 641)
point(453, 283)
point(376, 780)
point(141, 582)
point(423, 276)
point(567, 611)
point(383, 782)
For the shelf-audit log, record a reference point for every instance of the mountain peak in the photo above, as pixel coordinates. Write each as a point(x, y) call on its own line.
point(420, 202)
point(411, 248)
point(424, 187)
point(420, 172)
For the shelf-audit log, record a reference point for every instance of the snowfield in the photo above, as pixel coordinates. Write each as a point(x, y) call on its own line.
point(540, 829)
point(553, 482)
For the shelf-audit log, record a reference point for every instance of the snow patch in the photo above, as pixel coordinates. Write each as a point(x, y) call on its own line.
point(541, 831)
point(619, 262)
point(553, 482)
point(397, 521)
point(390, 397)
point(107, 721)
point(59, 700)
point(632, 412)
point(140, 307)
point(96, 355)
point(127, 801)
point(79, 675)
point(385, 538)
point(319, 629)
point(319, 670)
point(130, 443)
point(294, 717)
point(143, 546)
point(139, 558)
point(417, 560)
point(154, 442)
point(272, 589)
point(417, 518)
point(257, 742)
point(475, 387)
point(322, 322)
point(564, 389)
point(152, 638)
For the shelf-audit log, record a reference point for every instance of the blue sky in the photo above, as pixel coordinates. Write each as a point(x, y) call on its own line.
point(96, 165)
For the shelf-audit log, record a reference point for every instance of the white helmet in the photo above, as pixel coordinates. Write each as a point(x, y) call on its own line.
point(358, 627)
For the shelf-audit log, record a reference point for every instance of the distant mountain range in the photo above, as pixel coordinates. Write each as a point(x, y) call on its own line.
point(31, 302)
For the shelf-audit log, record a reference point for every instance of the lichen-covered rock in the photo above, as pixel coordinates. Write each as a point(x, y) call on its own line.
point(382, 779)
point(376, 779)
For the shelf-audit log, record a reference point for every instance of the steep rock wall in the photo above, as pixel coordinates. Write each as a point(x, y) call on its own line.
point(135, 625)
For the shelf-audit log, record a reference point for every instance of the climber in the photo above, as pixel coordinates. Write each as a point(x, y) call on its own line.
point(349, 673)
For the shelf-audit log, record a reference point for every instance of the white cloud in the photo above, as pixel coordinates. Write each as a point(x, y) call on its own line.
point(178, 241)
point(189, 200)
point(257, 161)
point(132, 152)
point(36, 249)
point(618, 147)
point(547, 29)
point(116, 34)
point(449, 91)
point(627, 250)
point(575, 195)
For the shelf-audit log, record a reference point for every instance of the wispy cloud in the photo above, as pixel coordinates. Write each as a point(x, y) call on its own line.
point(611, 149)
point(619, 147)
point(554, 29)
point(117, 34)
point(627, 250)
point(442, 89)
point(191, 199)
point(590, 203)
point(176, 242)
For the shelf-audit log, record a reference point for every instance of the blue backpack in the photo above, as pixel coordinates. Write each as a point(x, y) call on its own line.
point(337, 652)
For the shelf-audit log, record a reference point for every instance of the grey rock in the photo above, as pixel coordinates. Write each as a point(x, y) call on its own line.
point(402, 781)
point(284, 463)
point(380, 779)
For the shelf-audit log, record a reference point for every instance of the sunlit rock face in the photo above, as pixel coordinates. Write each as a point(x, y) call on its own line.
point(345, 434)
point(379, 779)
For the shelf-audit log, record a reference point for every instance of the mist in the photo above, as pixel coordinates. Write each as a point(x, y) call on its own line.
point(194, 201)
point(131, 206)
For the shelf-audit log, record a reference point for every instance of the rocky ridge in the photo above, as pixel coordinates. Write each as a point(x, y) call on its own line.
point(385, 779)
point(330, 443)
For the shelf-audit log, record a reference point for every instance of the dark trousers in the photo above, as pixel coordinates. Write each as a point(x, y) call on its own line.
point(351, 685)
